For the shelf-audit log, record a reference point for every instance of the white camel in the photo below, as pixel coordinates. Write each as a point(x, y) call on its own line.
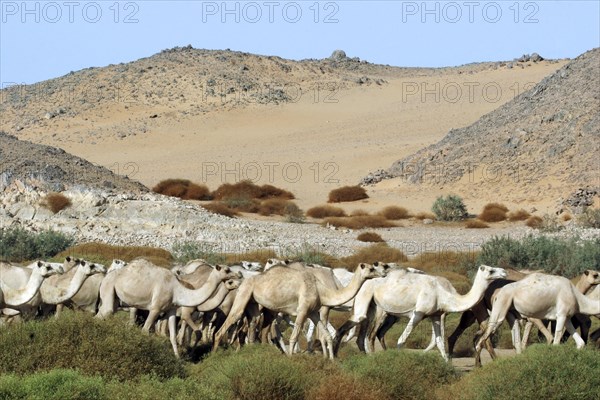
point(13, 297)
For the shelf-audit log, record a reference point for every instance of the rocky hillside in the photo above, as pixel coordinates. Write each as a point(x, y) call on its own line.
point(52, 169)
point(546, 139)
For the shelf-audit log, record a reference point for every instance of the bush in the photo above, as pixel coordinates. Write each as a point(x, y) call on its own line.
point(394, 213)
point(325, 211)
point(247, 189)
point(360, 222)
point(376, 252)
point(519, 215)
point(18, 244)
point(347, 193)
point(242, 204)
point(256, 372)
point(54, 385)
point(309, 254)
point(109, 348)
point(185, 251)
point(182, 188)
point(359, 213)
point(261, 256)
point(293, 214)
point(273, 206)
point(542, 371)
point(104, 253)
point(370, 237)
point(406, 375)
point(55, 202)
point(449, 208)
point(424, 215)
point(345, 386)
point(550, 223)
point(493, 212)
point(218, 207)
point(534, 222)
point(590, 218)
point(476, 224)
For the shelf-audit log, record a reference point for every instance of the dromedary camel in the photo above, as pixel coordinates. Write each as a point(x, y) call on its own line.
point(9, 296)
point(146, 286)
point(293, 292)
point(539, 296)
point(417, 296)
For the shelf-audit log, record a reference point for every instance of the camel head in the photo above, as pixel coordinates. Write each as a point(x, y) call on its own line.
point(232, 284)
point(223, 272)
point(47, 269)
point(488, 273)
point(271, 262)
point(70, 262)
point(382, 267)
point(116, 265)
point(251, 266)
point(188, 268)
point(91, 269)
point(592, 277)
point(368, 271)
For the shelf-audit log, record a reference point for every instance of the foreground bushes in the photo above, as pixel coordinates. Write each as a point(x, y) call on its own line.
point(108, 348)
point(18, 244)
point(541, 372)
point(104, 253)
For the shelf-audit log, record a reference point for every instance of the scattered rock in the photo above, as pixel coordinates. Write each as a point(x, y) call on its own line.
point(338, 55)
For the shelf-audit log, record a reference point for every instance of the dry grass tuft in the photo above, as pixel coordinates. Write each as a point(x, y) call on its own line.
point(424, 215)
point(375, 252)
point(394, 213)
point(534, 222)
point(359, 213)
point(371, 237)
point(182, 188)
point(218, 207)
point(519, 215)
point(347, 193)
point(242, 204)
point(249, 190)
point(493, 212)
point(56, 202)
point(325, 211)
point(105, 253)
point(476, 224)
point(274, 206)
point(360, 222)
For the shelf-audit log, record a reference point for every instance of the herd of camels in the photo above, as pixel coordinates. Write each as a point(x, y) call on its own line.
point(249, 302)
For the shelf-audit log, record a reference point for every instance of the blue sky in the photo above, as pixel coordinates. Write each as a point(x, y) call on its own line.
point(45, 39)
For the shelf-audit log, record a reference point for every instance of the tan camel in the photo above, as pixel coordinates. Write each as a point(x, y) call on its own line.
point(10, 296)
point(293, 292)
point(539, 296)
point(146, 286)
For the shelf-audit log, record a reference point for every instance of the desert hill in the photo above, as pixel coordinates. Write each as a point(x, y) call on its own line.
point(543, 144)
point(220, 116)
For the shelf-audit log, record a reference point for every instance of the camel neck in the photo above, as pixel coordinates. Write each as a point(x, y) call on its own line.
point(17, 297)
point(215, 301)
point(336, 297)
point(63, 287)
point(460, 303)
point(583, 285)
point(184, 297)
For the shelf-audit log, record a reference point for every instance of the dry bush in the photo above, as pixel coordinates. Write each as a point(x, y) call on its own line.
point(375, 252)
point(293, 213)
point(519, 215)
point(55, 202)
point(325, 211)
point(360, 222)
point(274, 206)
point(182, 188)
point(370, 237)
point(242, 204)
point(105, 253)
point(476, 224)
point(493, 212)
point(442, 261)
point(425, 215)
point(394, 213)
point(534, 222)
point(261, 256)
point(359, 213)
point(566, 217)
point(220, 208)
point(347, 193)
point(249, 190)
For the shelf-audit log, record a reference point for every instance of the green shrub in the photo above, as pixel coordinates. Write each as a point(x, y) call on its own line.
point(18, 244)
point(54, 385)
point(541, 372)
point(151, 388)
point(256, 372)
point(293, 214)
point(109, 348)
point(403, 374)
point(309, 254)
point(449, 208)
point(590, 218)
point(185, 251)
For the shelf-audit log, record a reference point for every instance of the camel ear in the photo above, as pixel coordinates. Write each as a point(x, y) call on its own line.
point(39, 264)
point(376, 264)
point(287, 262)
point(82, 263)
point(68, 259)
point(218, 267)
point(481, 268)
point(386, 266)
point(586, 272)
point(362, 266)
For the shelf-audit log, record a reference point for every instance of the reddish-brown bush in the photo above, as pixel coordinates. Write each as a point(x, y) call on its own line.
point(424, 215)
point(370, 237)
point(218, 207)
point(394, 213)
point(360, 222)
point(375, 252)
point(243, 204)
point(325, 211)
point(359, 213)
point(493, 212)
point(519, 215)
point(248, 189)
point(182, 188)
point(56, 202)
point(197, 192)
point(534, 221)
point(273, 206)
point(476, 224)
point(347, 193)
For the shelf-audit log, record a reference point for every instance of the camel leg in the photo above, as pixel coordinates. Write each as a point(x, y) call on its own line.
point(237, 311)
point(438, 332)
point(59, 308)
point(579, 343)
point(172, 321)
point(107, 295)
point(513, 322)
point(328, 349)
point(300, 319)
point(415, 318)
point(152, 316)
point(526, 332)
point(466, 320)
point(388, 322)
point(560, 328)
point(583, 322)
point(499, 312)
